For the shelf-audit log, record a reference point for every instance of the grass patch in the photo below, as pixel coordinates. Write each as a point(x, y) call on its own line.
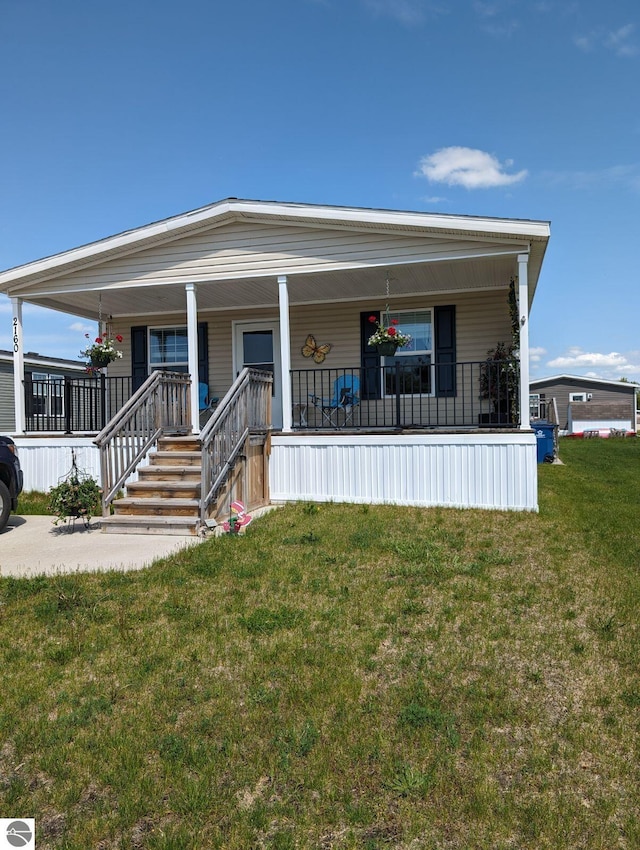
point(32, 502)
point(424, 678)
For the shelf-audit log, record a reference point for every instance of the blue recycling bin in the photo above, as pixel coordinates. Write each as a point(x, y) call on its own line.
point(544, 440)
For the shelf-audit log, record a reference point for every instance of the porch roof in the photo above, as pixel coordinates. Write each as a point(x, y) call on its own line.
point(235, 249)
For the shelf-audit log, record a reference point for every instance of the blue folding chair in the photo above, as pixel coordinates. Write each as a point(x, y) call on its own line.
point(346, 397)
point(206, 404)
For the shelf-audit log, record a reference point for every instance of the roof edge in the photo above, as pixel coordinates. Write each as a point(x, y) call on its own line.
point(583, 378)
point(234, 207)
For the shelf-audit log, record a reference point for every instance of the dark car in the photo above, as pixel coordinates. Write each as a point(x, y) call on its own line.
point(10, 479)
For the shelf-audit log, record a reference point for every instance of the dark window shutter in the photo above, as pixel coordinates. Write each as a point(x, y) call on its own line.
point(203, 353)
point(370, 383)
point(139, 361)
point(445, 350)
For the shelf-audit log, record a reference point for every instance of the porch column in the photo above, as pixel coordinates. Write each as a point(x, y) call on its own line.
point(18, 366)
point(192, 348)
point(285, 351)
point(523, 310)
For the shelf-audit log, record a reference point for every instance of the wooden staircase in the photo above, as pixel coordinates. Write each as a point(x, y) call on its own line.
point(166, 497)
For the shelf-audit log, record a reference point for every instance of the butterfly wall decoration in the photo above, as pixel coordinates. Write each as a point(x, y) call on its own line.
point(312, 349)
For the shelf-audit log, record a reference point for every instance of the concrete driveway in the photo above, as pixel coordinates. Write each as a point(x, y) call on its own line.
point(32, 545)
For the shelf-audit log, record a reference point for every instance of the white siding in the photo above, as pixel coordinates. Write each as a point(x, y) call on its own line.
point(245, 249)
point(495, 471)
point(46, 460)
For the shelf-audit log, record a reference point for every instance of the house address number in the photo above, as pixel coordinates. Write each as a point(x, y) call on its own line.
point(16, 337)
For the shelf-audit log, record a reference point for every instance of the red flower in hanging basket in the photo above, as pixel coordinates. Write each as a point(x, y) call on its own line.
point(102, 352)
point(372, 319)
point(385, 334)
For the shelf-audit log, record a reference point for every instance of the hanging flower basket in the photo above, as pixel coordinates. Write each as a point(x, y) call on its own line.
point(387, 338)
point(99, 361)
point(386, 349)
point(101, 352)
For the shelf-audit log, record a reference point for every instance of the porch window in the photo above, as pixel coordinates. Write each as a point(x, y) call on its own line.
point(168, 349)
point(46, 394)
point(414, 372)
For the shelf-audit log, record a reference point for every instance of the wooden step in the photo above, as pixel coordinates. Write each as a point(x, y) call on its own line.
point(183, 526)
point(177, 458)
point(173, 472)
point(179, 444)
point(164, 489)
point(156, 507)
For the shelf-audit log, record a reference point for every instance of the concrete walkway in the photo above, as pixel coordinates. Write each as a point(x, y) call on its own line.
point(33, 545)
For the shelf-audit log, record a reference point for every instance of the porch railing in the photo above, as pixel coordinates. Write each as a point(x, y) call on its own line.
point(474, 394)
point(246, 408)
point(160, 406)
point(73, 404)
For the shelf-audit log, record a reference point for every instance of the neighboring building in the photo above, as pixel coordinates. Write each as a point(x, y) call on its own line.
point(292, 289)
point(44, 379)
point(585, 404)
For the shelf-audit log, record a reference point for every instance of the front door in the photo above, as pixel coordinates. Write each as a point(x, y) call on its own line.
point(257, 345)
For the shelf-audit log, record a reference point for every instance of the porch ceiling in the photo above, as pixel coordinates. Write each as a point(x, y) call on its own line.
point(134, 299)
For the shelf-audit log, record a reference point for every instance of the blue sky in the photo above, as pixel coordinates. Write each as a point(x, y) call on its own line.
point(115, 114)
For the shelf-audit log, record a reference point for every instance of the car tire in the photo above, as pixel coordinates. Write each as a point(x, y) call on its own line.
point(5, 505)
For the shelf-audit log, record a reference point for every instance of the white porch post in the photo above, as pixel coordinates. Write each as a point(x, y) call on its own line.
point(18, 366)
point(285, 351)
point(523, 310)
point(192, 348)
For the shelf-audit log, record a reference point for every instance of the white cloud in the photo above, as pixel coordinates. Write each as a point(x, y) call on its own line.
point(594, 364)
point(618, 175)
point(536, 354)
point(434, 199)
point(584, 42)
point(492, 17)
point(468, 167)
point(620, 41)
point(409, 12)
point(83, 327)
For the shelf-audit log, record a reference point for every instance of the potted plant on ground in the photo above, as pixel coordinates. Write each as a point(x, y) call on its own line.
point(499, 374)
point(77, 496)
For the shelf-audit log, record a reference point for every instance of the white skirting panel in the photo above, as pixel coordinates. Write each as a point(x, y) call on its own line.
point(45, 460)
point(496, 471)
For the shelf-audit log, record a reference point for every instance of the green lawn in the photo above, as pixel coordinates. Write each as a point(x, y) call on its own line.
point(344, 677)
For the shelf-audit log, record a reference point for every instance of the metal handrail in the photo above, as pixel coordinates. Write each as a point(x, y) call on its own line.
point(160, 405)
point(246, 408)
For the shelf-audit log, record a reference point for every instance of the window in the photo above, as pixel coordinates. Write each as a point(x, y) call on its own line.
point(577, 397)
point(46, 394)
point(534, 406)
point(168, 349)
point(410, 370)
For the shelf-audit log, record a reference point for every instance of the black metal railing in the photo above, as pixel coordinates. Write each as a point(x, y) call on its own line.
point(65, 404)
point(475, 394)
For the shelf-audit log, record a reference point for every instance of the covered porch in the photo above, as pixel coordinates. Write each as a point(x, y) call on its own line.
point(246, 284)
